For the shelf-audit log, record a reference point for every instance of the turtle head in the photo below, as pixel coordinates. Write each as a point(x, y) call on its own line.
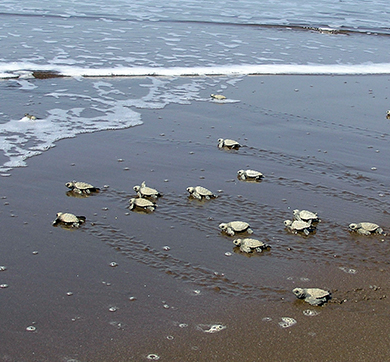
point(190, 189)
point(240, 172)
point(353, 226)
point(136, 188)
point(223, 226)
point(287, 223)
point(69, 184)
point(299, 292)
point(237, 242)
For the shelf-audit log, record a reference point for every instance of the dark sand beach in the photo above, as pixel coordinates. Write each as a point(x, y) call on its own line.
point(322, 144)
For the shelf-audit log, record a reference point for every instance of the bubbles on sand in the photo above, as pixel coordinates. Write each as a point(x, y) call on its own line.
point(153, 357)
point(348, 270)
point(117, 325)
point(3, 268)
point(210, 328)
point(287, 322)
point(3, 286)
point(310, 313)
point(31, 329)
point(267, 319)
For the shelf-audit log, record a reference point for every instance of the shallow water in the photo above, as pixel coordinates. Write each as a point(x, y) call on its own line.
point(315, 152)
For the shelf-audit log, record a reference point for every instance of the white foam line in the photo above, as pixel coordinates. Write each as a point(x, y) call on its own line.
point(16, 69)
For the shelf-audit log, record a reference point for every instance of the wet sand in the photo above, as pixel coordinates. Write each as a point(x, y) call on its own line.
point(322, 144)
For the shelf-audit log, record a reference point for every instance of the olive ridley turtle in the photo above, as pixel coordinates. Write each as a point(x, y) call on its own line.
point(68, 219)
point(296, 226)
point(228, 143)
point(233, 227)
point(200, 192)
point(80, 187)
point(145, 191)
point(142, 204)
point(249, 245)
point(313, 296)
point(249, 175)
point(305, 215)
point(219, 97)
point(30, 116)
point(366, 228)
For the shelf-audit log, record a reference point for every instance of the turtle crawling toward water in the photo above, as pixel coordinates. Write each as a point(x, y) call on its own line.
point(141, 203)
point(249, 245)
point(82, 188)
point(366, 228)
point(30, 117)
point(313, 296)
point(68, 219)
point(200, 192)
point(305, 215)
point(145, 191)
point(249, 175)
point(233, 227)
point(228, 143)
point(296, 226)
point(218, 97)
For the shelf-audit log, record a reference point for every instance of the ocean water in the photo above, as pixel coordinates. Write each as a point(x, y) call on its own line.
point(191, 45)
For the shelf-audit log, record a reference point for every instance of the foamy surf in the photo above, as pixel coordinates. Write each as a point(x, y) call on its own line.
point(27, 70)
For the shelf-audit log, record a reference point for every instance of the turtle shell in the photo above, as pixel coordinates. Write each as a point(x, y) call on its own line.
point(140, 202)
point(238, 225)
point(229, 143)
point(82, 186)
point(369, 226)
point(217, 96)
point(316, 293)
point(253, 173)
point(299, 225)
point(203, 191)
point(145, 190)
point(252, 243)
point(305, 215)
point(68, 218)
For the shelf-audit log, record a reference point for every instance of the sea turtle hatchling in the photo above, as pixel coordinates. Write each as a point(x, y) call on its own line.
point(200, 192)
point(30, 117)
point(80, 187)
point(249, 175)
point(68, 219)
point(313, 296)
point(233, 227)
point(228, 143)
point(296, 226)
point(249, 245)
point(305, 215)
point(218, 97)
point(141, 203)
point(388, 114)
point(145, 191)
point(366, 228)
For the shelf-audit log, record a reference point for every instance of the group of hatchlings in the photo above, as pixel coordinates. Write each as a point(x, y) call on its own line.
point(303, 221)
